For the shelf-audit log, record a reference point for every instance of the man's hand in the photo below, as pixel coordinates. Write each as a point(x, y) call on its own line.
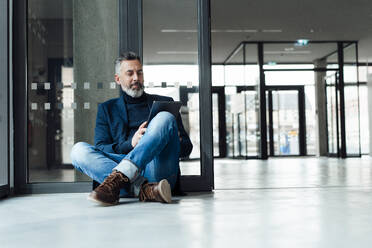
point(138, 135)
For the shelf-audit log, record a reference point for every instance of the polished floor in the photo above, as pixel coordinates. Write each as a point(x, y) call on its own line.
point(282, 202)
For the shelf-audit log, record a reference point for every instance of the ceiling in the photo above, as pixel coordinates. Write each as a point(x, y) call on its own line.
point(170, 27)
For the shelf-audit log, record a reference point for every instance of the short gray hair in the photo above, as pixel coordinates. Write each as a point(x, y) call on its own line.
point(125, 56)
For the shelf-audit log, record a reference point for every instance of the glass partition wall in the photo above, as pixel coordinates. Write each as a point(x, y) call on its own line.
point(71, 47)
point(241, 72)
point(352, 103)
point(303, 89)
point(172, 71)
point(67, 80)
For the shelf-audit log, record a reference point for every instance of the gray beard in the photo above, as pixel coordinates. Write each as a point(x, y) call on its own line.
point(133, 93)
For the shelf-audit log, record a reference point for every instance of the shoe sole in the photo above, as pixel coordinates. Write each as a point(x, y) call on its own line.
point(165, 191)
point(95, 200)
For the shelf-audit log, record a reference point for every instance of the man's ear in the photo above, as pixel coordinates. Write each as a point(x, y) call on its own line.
point(117, 79)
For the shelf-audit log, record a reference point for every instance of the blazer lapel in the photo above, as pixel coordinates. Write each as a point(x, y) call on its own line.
point(150, 100)
point(122, 110)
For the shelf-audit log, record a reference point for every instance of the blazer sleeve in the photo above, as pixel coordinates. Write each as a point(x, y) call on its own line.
point(103, 139)
point(102, 135)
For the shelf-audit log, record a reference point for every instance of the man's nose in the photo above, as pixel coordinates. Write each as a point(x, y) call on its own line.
point(135, 76)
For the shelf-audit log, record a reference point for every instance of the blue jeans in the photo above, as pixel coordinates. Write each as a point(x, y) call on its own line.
point(156, 155)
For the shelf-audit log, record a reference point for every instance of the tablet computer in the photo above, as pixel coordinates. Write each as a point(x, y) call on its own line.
point(169, 106)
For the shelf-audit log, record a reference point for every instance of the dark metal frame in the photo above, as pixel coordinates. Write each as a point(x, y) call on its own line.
point(340, 55)
point(262, 99)
point(20, 95)
point(20, 107)
point(130, 26)
point(204, 182)
point(5, 189)
point(220, 91)
point(340, 102)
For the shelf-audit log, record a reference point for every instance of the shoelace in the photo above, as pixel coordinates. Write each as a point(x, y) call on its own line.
point(147, 192)
point(112, 182)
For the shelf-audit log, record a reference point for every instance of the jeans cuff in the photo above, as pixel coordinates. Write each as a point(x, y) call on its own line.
point(128, 168)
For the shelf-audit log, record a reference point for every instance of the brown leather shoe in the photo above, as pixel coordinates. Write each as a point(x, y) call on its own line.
point(158, 192)
point(107, 193)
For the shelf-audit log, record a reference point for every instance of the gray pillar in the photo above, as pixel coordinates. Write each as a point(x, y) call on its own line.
point(321, 109)
point(95, 46)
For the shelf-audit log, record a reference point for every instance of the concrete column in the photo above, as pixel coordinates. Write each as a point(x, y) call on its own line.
point(320, 109)
point(95, 47)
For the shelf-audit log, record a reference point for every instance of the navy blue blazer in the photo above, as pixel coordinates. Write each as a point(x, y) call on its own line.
point(111, 132)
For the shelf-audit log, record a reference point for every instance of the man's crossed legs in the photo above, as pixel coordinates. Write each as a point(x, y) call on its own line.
point(149, 171)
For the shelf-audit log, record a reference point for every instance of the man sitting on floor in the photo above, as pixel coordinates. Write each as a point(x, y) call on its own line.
point(132, 157)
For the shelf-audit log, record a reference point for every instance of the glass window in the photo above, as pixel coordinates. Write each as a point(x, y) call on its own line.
point(285, 122)
point(234, 75)
point(350, 64)
point(242, 106)
point(170, 58)
point(333, 107)
point(351, 100)
point(352, 120)
point(310, 119)
point(72, 46)
point(218, 75)
point(364, 117)
point(289, 77)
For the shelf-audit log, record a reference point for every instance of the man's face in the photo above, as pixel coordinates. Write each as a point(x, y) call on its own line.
point(130, 77)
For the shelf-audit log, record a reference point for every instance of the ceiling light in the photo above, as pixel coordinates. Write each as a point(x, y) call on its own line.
point(287, 52)
point(271, 30)
point(289, 49)
point(302, 42)
point(178, 30)
point(213, 30)
point(234, 31)
point(271, 63)
point(177, 52)
point(240, 31)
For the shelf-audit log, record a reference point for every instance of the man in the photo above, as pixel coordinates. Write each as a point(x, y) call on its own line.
point(132, 157)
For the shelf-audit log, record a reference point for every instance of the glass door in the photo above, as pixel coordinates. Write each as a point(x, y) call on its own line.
point(242, 78)
point(248, 122)
point(65, 80)
point(175, 52)
point(286, 118)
